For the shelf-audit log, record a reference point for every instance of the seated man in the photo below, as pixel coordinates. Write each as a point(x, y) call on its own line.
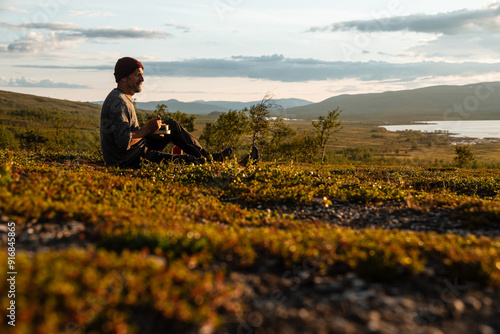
point(124, 143)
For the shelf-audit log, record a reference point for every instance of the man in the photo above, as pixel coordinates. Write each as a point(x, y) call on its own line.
point(124, 143)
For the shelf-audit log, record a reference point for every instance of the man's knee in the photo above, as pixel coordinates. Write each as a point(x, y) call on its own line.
point(171, 123)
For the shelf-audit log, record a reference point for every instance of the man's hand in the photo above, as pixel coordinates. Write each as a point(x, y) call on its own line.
point(154, 124)
point(147, 130)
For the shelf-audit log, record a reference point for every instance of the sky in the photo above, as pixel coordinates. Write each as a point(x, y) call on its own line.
point(240, 50)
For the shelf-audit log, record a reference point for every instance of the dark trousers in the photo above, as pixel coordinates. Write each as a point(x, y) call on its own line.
point(179, 137)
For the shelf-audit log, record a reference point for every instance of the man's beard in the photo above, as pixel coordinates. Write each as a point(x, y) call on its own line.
point(137, 88)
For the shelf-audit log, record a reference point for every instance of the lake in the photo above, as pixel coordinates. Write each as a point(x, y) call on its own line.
point(471, 129)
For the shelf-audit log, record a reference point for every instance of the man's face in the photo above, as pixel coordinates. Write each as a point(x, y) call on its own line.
point(135, 80)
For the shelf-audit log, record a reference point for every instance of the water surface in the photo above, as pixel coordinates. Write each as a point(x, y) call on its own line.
point(470, 129)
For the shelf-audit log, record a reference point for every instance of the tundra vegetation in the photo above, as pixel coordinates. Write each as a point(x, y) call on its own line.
point(186, 248)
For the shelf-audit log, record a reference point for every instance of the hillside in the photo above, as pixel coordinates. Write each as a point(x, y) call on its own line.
point(35, 122)
point(11, 100)
point(474, 101)
point(25, 112)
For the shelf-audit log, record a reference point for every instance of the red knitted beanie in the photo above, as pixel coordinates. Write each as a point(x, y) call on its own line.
point(126, 66)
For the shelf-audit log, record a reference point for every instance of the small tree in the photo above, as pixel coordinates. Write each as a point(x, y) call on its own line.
point(7, 138)
point(281, 136)
point(210, 136)
point(307, 146)
point(32, 139)
point(259, 117)
point(227, 131)
point(463, 156)
point(187, 121)
point(324, 128)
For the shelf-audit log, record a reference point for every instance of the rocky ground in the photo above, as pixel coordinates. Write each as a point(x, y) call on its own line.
point(348, 304)
point(390, 215)
point(303, 300)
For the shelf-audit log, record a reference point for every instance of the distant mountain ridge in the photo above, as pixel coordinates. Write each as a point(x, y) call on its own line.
point(285, 103)
point(186, 107)
point(468, 102)
point(206, 107)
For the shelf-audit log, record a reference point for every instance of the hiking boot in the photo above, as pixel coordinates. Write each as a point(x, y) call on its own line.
point(253, 157)
point(220, 157)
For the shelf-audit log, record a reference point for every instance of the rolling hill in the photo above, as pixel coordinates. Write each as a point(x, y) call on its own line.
point(11, 100)
point(24, 111)
point(468, 102)
point(472, 102)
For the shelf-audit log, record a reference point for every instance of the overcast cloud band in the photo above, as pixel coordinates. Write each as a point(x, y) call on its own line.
point(280, 68)
point(450, 23)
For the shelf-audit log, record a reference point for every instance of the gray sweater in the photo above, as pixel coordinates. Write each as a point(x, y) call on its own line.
point(118, 120)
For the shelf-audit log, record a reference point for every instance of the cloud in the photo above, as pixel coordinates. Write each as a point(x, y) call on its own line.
point(47, 83)
point(57, 67)
point(65, 35)
point(70, 29)
point(485, 47)
point(279, 68)
point(53, 26)
point(12, 9)
point(90, 13)
point(35, 42)
point(486, 19)
point(114, 33)
point(178, 27)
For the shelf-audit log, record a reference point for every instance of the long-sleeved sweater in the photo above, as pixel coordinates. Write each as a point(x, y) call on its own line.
point(118, 121)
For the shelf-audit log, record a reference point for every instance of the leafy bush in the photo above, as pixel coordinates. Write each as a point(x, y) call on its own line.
point(464, 155)
point(226, 132)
